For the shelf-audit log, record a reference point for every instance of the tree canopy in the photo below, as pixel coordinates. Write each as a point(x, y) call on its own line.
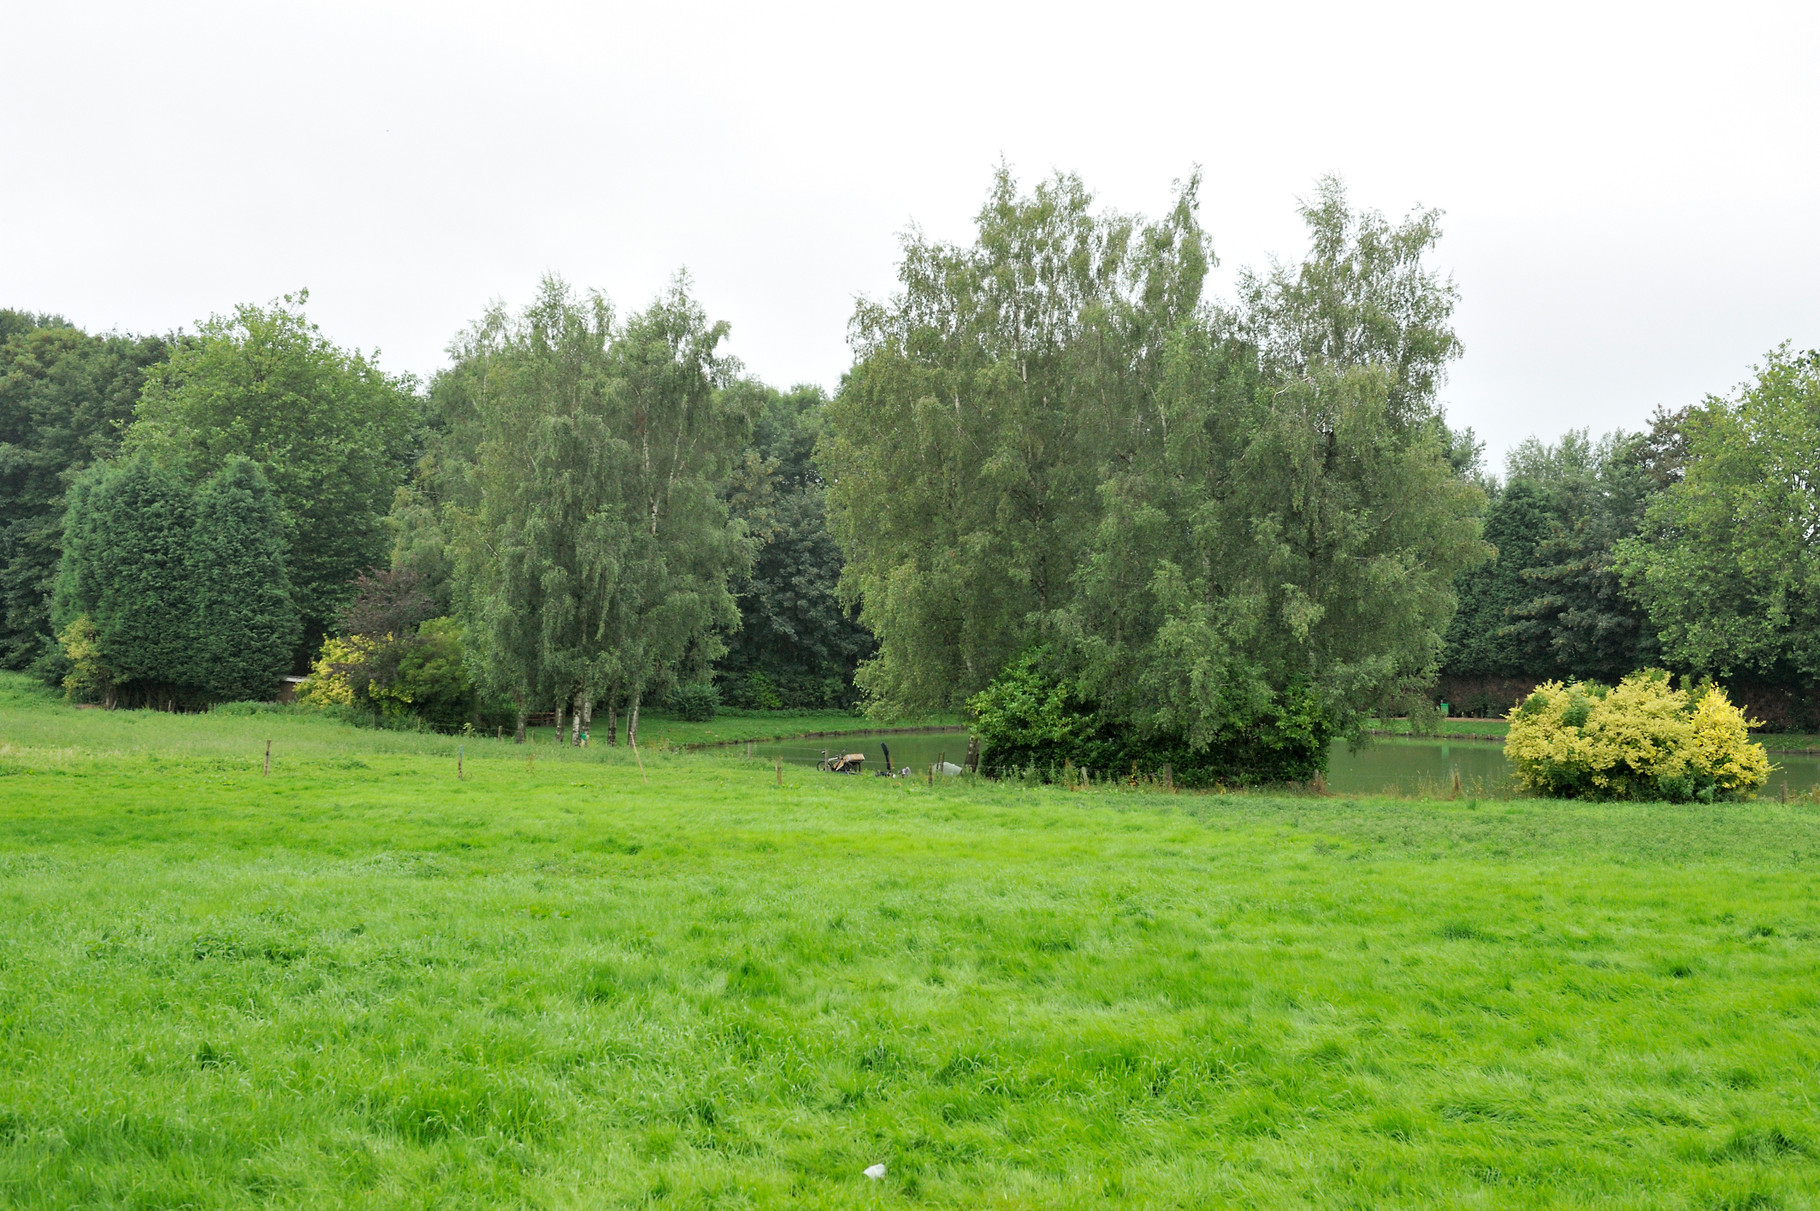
point(65, 397)
point(1728, 559)
point(332, 433)
point(592, 546)
point(1207, 512)
point(179, 592)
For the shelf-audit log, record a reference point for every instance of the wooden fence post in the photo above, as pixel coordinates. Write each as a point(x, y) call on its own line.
point(268, 759)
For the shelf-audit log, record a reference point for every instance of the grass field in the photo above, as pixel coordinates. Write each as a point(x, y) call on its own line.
point(360, 982)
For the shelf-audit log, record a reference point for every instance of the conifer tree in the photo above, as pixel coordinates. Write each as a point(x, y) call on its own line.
point(245, 623)
point(127, 565)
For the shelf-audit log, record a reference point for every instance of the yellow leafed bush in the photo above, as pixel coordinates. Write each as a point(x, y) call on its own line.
point(333, 675)
point(1642, 739)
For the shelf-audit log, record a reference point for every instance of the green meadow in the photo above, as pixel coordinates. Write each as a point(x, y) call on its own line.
point(563, 982)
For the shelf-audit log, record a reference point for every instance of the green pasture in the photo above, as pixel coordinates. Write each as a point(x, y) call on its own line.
point(362, 982)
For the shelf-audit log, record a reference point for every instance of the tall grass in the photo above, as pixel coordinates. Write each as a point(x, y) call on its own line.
point(363, 982)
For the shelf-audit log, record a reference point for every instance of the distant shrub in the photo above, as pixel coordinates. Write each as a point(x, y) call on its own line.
point(695, 703)
point(1642, 739)
point(1030, 719)
point(247, 708)
point(337, 676)
point(418, 679)
point(88, 679)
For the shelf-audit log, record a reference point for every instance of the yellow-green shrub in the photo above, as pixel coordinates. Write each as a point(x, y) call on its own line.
point(1642, 739)
point(338, 676)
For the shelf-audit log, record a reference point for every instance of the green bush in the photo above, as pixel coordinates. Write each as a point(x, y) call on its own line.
point(433, 678)
point(418, 680)
point(695, 703)
point(1642, 739)
point(1031, 721)
point(239, 709)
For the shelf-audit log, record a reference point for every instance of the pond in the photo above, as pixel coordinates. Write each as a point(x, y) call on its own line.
point(1397, 766)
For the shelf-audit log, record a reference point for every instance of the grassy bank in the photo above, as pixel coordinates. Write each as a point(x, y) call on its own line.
point(362, 982)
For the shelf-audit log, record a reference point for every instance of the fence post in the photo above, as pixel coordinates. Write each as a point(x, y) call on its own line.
point(268, 759)
point(1168, 779)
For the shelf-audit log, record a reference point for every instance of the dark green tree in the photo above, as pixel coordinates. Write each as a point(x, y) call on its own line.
point(64, 398)
point(1578, 619)
point(1480, 641)
point(245, 625)
point(127, 568)
point(334, 435)
point(797, 645)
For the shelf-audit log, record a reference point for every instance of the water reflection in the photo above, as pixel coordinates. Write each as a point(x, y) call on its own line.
point(1397, 766)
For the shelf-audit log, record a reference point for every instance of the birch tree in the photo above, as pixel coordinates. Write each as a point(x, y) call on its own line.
point(592, 552)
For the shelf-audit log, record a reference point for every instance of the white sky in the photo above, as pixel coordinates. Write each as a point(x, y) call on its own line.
point(1631, 190)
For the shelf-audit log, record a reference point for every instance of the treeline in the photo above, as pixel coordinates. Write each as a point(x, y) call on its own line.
point(1124, 523)
point(576, 509)
point(1133, 527)
point(1130, 525)
point(1690, 545)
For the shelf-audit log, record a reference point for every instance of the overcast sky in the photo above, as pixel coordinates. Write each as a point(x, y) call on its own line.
point(1630, 190)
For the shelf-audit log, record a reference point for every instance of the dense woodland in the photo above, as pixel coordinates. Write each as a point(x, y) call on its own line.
point(1062, 487)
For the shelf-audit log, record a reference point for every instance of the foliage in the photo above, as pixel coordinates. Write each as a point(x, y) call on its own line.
point(387, 601)
point(1553, 603)
point(338, 676)
point(433, 677)
point(696, 702)
point(185, 590)
point(1642, 739)
point(964, 451)
point(64, 397)
point(796, 645)
point(1480, 640)
point(515, 990)
point(1029, 720)
point(1206, 512)
point(332, 433)
point(419, 674)
point(245, 622)
point(1728, 561)
point(592, 549)
point(89, 678)
point(126, 566)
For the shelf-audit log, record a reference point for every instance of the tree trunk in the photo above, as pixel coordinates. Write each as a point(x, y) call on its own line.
point(613, 719)
point(587, 717)
point(575, 723)
point(518, 736)
point(632, 720)
point(559, 706)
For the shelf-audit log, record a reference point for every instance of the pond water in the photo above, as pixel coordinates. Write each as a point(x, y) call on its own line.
point(1398, 766)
